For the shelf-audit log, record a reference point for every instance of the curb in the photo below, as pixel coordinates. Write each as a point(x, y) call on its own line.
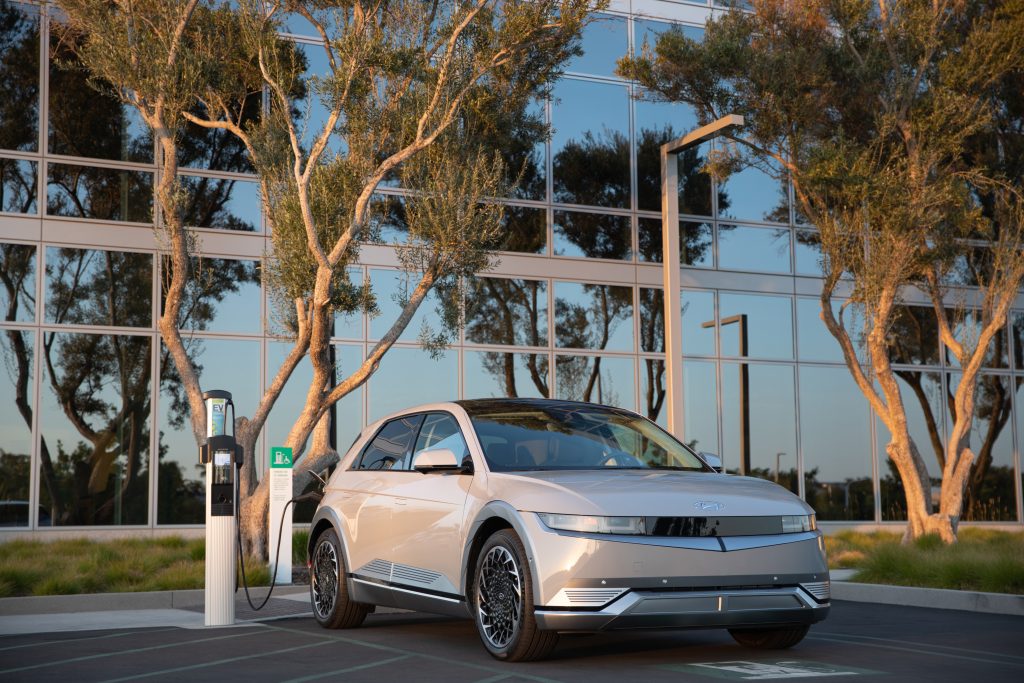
point(932, 598)
point(108, 602)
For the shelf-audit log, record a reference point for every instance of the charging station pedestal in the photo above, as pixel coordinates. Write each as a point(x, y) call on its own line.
point(222, 458)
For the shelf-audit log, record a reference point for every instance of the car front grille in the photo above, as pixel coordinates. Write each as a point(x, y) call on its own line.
point(713, 526)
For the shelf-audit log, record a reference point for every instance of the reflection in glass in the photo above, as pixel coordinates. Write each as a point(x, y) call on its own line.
point(17, 282)
point(392, 289)
point(524, 150)
point(388, 224)
point(590, 144)
point(807, 249)
point(755, 249)
point(914, 336)
point(759, 424)
point(85, 122)
point(1018, 384)
point(593, 316)
point(768, 323)
point(700, 406)
point(656, 124)
point(652, 390)
point(967, 326)
point(507, 311)
point(755, 196)
point(815, 341)
point(524, 230)
point(223, 295)
point(350, 325)
point(96, 287)
point(606, 380)
point(695, 242)
point(698, 308)
point(495, 375)
point(835, 437)
point(922, 398)
point(991, 492)
point(390, 388)
point(102, 193)
point(646, 31)
point(652, 320)
point(1016, 322)
point(221, 203)
point(592, 235)
point(220, 364)
point(312, 113)
point(95, 427)
point(604, 40)
point(17, 350)
point(19, 76)
point(18, 183)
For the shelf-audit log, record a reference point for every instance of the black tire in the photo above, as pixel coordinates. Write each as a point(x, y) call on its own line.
point(503, 602)
point(328, 589)
point(778, 638)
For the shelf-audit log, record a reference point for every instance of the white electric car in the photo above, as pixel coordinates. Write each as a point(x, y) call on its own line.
point(535, 517)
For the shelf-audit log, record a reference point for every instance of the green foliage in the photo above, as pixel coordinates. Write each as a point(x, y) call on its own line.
point(71, 566)
point(982, 559)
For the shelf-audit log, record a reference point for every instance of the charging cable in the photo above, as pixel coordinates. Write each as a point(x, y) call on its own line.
point(238, 531)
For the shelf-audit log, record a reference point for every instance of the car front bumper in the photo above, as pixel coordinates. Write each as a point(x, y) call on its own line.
point(591, 582)
point(692, 609)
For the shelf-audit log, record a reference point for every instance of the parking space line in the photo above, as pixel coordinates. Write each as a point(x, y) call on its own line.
point(358, 667)
point(228, 660)
point(494, 679)
point(931, 653)
point(437, 658)
point(86, 658)
point(919, 644)
point(67, 641)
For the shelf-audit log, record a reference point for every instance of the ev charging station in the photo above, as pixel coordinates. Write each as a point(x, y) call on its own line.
point(223, 458)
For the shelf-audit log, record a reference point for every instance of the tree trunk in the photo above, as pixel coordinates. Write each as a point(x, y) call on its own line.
point(252, 514)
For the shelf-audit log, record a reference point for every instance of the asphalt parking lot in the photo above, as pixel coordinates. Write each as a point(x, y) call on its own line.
point(859, 640)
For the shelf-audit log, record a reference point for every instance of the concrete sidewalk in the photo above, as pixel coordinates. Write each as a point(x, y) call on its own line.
point(184, 609)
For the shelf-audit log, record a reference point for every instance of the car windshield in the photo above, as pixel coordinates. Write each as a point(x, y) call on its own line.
point(573, 436)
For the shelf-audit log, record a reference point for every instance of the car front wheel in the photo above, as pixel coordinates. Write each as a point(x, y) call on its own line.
point(503, 602)
point(328, 590)
point(769, 638)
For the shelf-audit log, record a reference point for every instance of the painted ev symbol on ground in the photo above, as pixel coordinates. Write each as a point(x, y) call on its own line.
point(740, 670)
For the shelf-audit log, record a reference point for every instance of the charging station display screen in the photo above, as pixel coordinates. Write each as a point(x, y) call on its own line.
point(222, 459)
point(222, 467)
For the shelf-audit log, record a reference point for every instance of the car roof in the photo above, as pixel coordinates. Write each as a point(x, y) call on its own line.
point(476, 406)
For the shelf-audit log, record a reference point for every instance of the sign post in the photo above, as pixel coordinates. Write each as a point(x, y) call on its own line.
point(280, 494)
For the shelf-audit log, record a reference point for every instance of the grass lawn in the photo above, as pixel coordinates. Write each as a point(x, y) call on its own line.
point(982, 560)
point(83, 566)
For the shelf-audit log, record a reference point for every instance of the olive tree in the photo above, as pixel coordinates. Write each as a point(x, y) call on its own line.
point(415, 93)
point(872, 110)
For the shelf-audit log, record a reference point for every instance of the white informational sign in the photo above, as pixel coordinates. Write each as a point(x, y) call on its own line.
point(280, 494)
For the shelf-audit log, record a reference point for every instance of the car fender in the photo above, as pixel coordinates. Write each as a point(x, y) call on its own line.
point(500, 509)
point(326, 512)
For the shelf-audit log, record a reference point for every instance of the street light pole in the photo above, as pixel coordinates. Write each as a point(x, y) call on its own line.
point(670, 261)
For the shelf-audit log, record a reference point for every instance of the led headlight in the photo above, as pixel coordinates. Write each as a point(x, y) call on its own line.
point(594, 525)
point(794, 524)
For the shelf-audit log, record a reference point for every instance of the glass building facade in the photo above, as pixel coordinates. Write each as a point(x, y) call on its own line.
point(94, 427)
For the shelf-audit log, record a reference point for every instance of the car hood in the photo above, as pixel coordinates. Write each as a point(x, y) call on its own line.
point(644, 493)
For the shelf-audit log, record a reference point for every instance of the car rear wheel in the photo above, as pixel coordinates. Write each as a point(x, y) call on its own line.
point(503, 602)
point(769, 638)
point(328, 590)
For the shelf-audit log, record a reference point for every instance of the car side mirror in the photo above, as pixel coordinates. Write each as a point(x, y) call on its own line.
point(712, 460)
point(435, 460)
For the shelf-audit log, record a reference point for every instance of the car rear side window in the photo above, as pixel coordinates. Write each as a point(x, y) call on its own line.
point(440, 430)
point(388, 450)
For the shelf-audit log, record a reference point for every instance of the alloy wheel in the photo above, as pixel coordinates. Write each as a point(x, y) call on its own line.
point(500, 597)
point(325, 579)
